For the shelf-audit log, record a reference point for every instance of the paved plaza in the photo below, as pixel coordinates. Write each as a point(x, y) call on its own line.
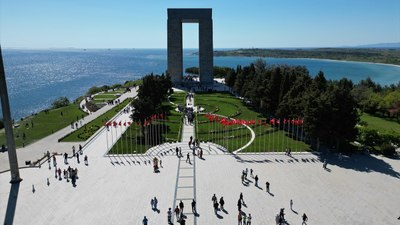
point(357, 189)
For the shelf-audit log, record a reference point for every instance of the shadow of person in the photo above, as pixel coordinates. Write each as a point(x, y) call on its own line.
point(259, 187)
point(224, 210)
point(12, 203)
point(196, 214)
point(219, 216)
point(270, 193)
point(295, 212)
point(328, 170)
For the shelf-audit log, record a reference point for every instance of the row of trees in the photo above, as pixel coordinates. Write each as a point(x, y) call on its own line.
point(150, 95)
point(328, 107)
point(218, 72)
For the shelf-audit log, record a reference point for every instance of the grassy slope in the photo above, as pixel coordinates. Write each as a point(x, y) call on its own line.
point(381, 124)
point(44, 124)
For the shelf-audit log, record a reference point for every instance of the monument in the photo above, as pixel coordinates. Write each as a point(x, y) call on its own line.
point(175, 60)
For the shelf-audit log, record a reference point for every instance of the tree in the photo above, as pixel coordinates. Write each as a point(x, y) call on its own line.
point(1, 123)
point(60, 102)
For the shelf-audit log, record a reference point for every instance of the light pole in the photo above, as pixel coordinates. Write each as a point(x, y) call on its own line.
point(5, 105)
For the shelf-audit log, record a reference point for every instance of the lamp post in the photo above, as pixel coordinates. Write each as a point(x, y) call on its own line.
point(5, 105)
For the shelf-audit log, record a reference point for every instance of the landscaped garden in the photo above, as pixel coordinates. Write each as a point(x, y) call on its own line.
point(164, 127)
point(86, 131)
point(233, 136)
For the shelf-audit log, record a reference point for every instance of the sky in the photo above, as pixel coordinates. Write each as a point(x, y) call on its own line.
point(236, 24)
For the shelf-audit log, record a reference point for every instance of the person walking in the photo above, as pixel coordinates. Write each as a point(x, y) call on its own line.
point(188, 158)
point(215, 207)
point(239, 205)
point(169, 216)
point(256, 179)
point(194, 206)
point(177, 213)
point(59, 173)
point(145, 220)
point(241, 197)
point(222, 203)
point(181, 205)
point(77, 157)
point(152, 204)
point(155, 202)
point(214, 198)
point(244, 217)
point(267, 186)
point(305, 218)
point(65, 158)
point(291, 204)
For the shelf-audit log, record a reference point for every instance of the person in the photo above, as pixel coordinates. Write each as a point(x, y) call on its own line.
point(222, 203)
point(155, 202)
point(77, 157)
point(244, 217)
point(325, 164)
point(180, 152)
point(182, 221)
point(169, 216)
point(214, 198)
point(188, 158)
point(66, 158)
point(239, 205)
point(215, 207)
point(256, 179)
point(267, 186)
point(177, 213)
point(305, 218)
point(145, 220)
point(241, 197)
point(194, 206)
point(291, 204)
point(282, 214)
point(86, 160)
point(240, 218)
point(59, 173)
point(251, 172)
point(152, 203)
point(249, 219)
point(177, 151)
point(181, 206)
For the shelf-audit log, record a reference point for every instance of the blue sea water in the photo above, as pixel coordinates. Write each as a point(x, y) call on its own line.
point(36, 77)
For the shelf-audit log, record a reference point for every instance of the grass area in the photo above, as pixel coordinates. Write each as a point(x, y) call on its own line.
point(382, 125)
point(132, 83)
point(235, 136)
point(43, 124)
point(178, 98)
point(85, 132)
point(137, 140)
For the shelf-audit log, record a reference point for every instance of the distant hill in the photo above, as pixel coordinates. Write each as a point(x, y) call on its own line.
point(381, 45)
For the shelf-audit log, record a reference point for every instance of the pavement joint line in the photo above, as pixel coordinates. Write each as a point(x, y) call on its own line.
point(184, 199)
point(185, 187)
point(176, 185)
point(186, 176)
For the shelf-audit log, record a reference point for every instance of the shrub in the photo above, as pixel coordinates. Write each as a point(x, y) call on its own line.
point(388, 149)
point(60, 102)
point(91, 106)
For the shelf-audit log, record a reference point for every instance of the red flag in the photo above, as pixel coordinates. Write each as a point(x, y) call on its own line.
point(114, 124)
point(129, 123)
point(125, 124)
point(120, 123)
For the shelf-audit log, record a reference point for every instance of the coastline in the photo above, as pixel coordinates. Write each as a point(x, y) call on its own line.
point(337, 60)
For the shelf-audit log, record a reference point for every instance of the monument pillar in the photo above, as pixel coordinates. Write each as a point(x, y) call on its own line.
point(175, 59)
point(206, 51)
point(5, 105)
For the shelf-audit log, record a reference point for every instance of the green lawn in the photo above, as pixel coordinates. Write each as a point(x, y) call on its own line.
point(85, 132)
point(136, 139)
point(234, 136)
point(382, 125)
point(44, 124)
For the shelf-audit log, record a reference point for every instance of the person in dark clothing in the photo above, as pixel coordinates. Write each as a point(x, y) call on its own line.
point(194, 206)
point(222, 203)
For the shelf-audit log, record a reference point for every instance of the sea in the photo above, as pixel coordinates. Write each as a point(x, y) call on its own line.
point(35, 78)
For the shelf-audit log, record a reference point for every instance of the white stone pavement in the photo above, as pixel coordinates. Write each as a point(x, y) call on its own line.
point(360, 189)
point(37, 149)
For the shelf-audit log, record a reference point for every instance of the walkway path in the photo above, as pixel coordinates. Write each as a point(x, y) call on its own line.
point(185, 187)
point(50, 143)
